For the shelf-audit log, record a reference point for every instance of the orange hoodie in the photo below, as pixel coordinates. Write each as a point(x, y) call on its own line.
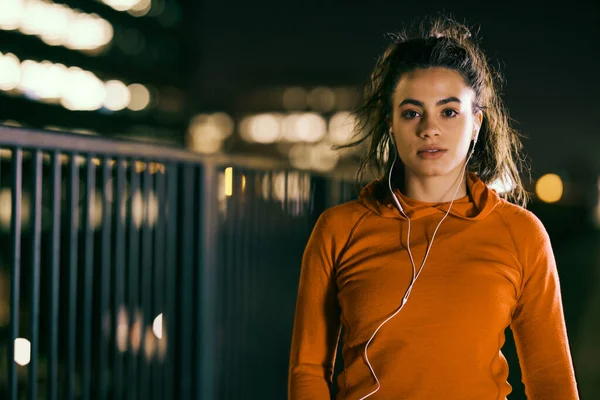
point(491, 265)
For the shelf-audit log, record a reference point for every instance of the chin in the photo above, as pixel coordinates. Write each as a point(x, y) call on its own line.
point(435, 168)
point(431, 171)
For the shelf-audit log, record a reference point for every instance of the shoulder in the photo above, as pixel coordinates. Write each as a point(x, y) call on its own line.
point(521, 221)
point(528, 233)
point(342, 218)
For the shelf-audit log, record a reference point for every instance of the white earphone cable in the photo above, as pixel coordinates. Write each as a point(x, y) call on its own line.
point(415, 274)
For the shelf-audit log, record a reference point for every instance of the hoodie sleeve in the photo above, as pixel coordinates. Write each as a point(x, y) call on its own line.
point(317, 320)
point(538, 321)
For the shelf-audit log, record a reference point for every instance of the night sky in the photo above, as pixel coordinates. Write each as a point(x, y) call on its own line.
point(548, 55)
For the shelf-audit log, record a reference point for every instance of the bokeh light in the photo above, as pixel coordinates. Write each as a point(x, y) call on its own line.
point(82, 90)
point(294, 98)
point(157, 326)
point(10, 71)
point(341, 127)
point(321, 99)
point(140, 97)
point(549, 188)
point(207, 132)
point(56, 24)
point(22, 351)
point(117, 95)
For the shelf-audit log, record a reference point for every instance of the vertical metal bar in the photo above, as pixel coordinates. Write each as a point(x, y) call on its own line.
point(248, 256)
point(286, 189)
point(254, 274)
point(135, 328)
point(186, 282)
point(170, 320)
point(73, 244)
point(237, 275)
point(54, 280)
point(119, 274)
point(107, 201)
point(146, 282)
point(226, 298)
point(206, 320)
point(159, 282)
point(88, 283)
point(15, 230)
point(35, 273)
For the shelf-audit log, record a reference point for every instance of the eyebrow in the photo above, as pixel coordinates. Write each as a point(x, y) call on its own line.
point(439, 103)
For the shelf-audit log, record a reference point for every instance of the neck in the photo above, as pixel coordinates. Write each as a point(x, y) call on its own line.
point(436, 189)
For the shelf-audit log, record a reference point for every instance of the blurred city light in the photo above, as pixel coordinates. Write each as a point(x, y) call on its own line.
point(261, 128)
point(145, 209)
point(324, 158)
point(72, 87)
point(218, 125)
point(549, 188)
point(126, 5)
point(6, 207)
point(137, 8)
point(301, 156)
point(140, 97)
point(321, 99)
point(56, 24)
point(43, 80)
point(135, 332)
point(141, 8)
point(10, 122)
point(298, 186)
point(22, 351)
point(228, 181)
point(121, 5)
point(117, 95)
point(208, 131)
point(157, 326)
point(341, 127)
point(122, 329)
point(149, 343)
point(318, 157)
point(10, 71)
point(345, 98)
point(309, 127)
point(82, 90)
point(288, 127)
point(294, 99)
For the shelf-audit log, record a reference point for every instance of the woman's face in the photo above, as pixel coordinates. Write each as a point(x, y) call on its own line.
point(433, 122)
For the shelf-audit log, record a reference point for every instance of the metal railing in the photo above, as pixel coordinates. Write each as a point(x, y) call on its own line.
point(141, 271)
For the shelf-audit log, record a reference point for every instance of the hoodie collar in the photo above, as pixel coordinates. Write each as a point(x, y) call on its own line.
point(478, 203)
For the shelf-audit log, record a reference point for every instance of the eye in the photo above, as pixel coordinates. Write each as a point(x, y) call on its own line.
point(450, 113)
point(410, 114)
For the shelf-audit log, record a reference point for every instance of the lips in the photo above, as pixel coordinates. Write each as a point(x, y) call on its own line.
point(430, 149)
point(431, 152)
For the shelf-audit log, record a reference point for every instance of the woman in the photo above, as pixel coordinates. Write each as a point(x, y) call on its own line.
point(429, 266)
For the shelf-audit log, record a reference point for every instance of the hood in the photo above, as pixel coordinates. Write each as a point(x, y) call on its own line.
point(479, 202)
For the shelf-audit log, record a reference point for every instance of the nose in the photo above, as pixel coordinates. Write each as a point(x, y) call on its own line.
point(428, 127)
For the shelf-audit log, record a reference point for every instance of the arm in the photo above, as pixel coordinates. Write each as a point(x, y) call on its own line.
point(538, 321)
point(317, 321)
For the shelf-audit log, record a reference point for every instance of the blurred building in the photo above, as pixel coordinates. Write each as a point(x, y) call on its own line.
point(111, 67)
point(296, 123)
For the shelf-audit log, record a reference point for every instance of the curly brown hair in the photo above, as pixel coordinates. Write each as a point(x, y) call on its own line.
point(441, 42)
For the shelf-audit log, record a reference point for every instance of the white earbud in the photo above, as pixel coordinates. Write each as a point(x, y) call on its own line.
point(474, 143)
